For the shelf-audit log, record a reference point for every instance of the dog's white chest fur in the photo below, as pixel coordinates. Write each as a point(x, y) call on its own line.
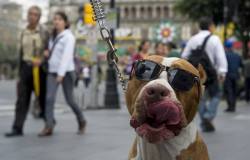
point(169, 149)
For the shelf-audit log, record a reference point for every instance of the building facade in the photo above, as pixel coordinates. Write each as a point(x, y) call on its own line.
point(137, 17)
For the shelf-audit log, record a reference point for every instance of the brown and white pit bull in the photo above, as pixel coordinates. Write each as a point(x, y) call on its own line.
point(163, 109)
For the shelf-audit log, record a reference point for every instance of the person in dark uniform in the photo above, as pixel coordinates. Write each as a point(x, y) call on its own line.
point(33, 41)
point(232, 76)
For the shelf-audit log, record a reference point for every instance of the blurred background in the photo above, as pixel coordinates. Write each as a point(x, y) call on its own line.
point(172, 22)
point(133, 21)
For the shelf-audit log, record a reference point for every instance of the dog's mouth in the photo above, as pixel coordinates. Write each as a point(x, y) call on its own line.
point(162, 121)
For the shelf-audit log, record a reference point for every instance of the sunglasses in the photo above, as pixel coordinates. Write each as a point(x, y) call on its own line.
point(179, 79)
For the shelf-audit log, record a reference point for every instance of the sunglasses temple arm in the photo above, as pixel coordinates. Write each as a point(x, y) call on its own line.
point(130, 75)
point(197, 81)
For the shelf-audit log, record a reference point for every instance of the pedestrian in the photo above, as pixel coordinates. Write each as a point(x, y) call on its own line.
point(247, 78)
point(230, 85)
point(33, 42)
point(212, 51)
point(61, 71)
point(183, 45)
point(143, 50)
point(99, 71)
point(129, 59)
point(86, 73)
point(160, 49)
point(78, 69)
point(171, 50)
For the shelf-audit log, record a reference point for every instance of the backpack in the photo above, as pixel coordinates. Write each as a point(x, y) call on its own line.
point(199, 56)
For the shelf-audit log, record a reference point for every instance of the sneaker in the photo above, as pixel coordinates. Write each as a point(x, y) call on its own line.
point(207, 126)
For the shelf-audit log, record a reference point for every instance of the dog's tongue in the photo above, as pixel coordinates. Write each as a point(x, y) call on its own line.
point(166, 111)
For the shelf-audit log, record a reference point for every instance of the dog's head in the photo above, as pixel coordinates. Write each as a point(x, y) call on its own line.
point(162, 96)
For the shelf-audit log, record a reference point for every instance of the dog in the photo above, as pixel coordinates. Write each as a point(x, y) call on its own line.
point(162, 98)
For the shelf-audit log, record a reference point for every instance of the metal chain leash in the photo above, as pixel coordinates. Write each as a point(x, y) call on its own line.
point(121, 78)
point(111, 55)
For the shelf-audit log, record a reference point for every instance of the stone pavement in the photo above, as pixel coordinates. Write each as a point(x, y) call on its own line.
point(109, 136)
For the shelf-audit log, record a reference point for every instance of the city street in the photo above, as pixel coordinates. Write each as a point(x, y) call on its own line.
point(108, 135)
point(51, 40)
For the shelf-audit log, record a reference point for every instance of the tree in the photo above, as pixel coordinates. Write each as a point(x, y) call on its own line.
point(222, 12)
point(243, 20)
point(8, 59)
point(195, 9)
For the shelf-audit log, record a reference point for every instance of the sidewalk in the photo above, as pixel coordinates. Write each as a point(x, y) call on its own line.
point(109, 137)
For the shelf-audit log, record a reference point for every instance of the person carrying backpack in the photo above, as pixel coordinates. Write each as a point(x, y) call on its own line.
point(207, 49)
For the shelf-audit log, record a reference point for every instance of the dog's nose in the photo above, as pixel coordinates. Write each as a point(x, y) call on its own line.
point(157, 92)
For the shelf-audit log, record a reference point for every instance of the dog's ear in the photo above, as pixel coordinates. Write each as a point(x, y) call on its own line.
point(202, 72)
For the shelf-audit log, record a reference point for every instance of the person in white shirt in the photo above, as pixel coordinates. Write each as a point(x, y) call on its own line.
point(216, 54)
point(61, 71)
point(86, 75)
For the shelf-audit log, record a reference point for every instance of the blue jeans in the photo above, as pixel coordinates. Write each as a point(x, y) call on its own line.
point(208, 106)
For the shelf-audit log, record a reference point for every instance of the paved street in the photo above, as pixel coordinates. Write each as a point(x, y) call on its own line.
point(108, 135)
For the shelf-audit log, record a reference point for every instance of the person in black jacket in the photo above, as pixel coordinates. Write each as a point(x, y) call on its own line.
point(33, 42)
point(230, 83)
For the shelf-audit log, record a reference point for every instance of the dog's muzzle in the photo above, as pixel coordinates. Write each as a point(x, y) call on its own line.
point(160, 116)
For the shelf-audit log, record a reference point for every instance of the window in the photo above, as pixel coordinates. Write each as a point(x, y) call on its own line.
point(150, 12)
point(133, 12)
point(142, 10)
point(158, 12)
point(166, 12)
point(126, 12)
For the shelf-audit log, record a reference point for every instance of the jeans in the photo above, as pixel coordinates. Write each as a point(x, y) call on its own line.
point(208, 106)
point(52, 86)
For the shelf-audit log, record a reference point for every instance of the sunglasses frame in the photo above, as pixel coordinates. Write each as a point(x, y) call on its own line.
point(162, 68)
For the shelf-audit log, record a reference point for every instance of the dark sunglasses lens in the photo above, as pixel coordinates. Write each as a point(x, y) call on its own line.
point(180, 80)
point(146, 70)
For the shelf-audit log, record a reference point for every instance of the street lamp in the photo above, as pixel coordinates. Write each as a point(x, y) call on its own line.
point(111, 92)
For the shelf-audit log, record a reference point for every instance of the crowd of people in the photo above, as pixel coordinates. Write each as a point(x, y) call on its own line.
point(226, 67)
point(50, 56)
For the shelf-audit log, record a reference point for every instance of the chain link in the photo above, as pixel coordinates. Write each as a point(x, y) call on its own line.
point(121, 78)
point(105, 33)
point(112, 57)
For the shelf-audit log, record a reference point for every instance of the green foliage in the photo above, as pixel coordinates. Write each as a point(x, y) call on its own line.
point(195, 9)
point(8, 54)
point(238, 12)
